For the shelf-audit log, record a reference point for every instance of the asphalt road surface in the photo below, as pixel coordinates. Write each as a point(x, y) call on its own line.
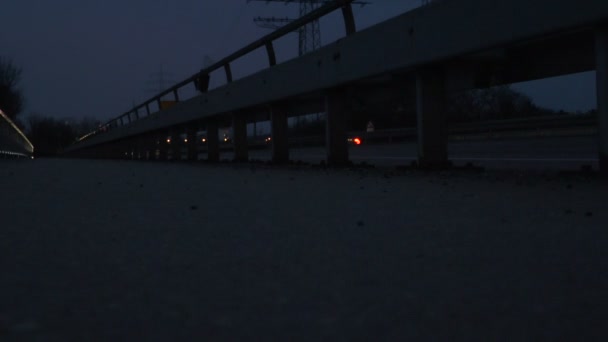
point(98, 250)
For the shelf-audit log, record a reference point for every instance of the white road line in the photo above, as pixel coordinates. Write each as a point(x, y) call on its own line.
point(553, 160)
point(486, 159)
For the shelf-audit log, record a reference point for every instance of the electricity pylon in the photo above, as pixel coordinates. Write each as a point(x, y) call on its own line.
point(309, 36)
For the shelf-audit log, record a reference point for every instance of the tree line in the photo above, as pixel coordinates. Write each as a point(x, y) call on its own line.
point(496, 103)
point(11, 98)
point(48, 135)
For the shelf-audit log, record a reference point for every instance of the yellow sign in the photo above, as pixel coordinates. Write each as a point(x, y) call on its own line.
point(167, 104)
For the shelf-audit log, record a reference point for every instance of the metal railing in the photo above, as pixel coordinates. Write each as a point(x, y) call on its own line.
point(201, 79)
point(13, 143)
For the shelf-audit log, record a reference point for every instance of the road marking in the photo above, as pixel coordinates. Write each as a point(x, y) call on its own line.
point(553, 160)
point(479, 159)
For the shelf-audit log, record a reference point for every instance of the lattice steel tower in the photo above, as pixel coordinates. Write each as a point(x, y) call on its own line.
point(309, 36)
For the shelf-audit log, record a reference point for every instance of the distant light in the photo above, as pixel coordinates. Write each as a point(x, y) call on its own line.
point(357, 141)
point(168, 140)
point(225, 139)
point(204, 140)
point(186, 140)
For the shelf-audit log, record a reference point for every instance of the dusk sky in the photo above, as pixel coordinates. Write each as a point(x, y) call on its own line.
point(97, 58)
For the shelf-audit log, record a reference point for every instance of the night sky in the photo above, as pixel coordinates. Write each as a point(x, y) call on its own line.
point(97, 58)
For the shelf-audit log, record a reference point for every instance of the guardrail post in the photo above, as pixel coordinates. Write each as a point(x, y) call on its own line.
point(601, 47)
point(279, 134)
point(349, 19)
point(192, 142)
point(213, 141)
point(272, 58)
point(336, 130)
point(239, 130)
point(432, 124)
point(228, 73)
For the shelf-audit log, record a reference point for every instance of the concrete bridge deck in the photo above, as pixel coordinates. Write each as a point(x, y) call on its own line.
point(123, 250)
point(414, 60)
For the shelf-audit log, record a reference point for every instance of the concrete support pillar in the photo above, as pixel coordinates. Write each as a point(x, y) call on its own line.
point(101, 152)
point(126, 149)
point(177, 143)
point(432, 124)
point(601, 47)
point(336, 128)
point(151, 146)
point(213, 141)
point(163, 146)
point(279, 134)
point(140, 148)
point(192, 143)
point(239, 129)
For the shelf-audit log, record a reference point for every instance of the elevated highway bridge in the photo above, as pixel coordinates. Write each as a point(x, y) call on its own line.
point(420, 56)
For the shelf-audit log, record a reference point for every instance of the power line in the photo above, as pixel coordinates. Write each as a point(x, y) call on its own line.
point(159, 81)
point(309, 35)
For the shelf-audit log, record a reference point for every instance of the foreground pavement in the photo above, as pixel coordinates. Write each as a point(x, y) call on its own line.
point(121, 251)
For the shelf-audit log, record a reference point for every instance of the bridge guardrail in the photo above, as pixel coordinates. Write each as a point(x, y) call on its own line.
point(201, 79)
point(13, 143)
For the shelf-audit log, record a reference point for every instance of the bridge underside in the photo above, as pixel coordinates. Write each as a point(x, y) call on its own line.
point(347, 76)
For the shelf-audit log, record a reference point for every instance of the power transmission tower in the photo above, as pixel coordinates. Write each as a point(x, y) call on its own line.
point(159, 81)
point(309, 36)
